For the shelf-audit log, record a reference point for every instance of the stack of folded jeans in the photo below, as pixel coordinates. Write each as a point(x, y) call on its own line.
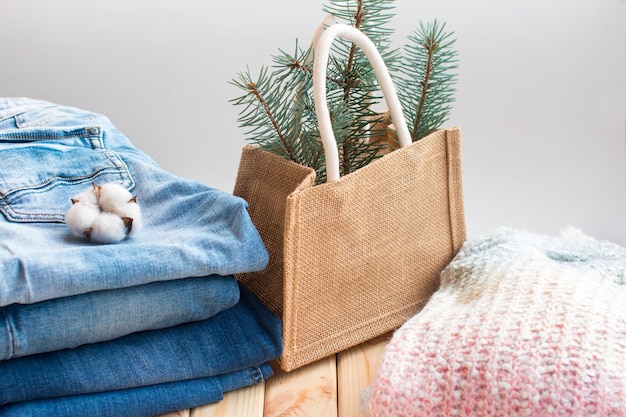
point(152, 324)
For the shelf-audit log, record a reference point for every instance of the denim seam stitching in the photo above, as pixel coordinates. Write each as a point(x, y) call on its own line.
point(55, 180)
point(114, 159)
point(25, 124)
point(83, 132)
point(119, 165)
point(9, 209)
point(256, 374)
point(21, 110)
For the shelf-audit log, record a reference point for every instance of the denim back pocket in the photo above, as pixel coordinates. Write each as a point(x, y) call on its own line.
point(42, 168)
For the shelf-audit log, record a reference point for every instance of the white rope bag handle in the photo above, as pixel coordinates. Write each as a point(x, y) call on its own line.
point(322, 52)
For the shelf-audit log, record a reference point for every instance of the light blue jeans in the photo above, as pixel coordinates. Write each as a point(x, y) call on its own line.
point(147, 373)
point(27, 329)
point(50, 153)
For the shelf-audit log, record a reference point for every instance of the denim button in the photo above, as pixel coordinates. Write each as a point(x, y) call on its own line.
point(94, 130)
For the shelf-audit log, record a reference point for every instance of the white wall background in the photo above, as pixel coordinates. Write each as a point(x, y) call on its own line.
point(541, 98)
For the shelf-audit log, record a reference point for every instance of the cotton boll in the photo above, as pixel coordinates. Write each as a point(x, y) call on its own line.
point(108, 228)
point(132, 211)
point(104, 214)
point(83, 212)
point(116, 199)
point(80, 216)
point(111, 196)
point(88, 196)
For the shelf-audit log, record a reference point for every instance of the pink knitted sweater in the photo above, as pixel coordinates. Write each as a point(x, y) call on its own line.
point(522, 325)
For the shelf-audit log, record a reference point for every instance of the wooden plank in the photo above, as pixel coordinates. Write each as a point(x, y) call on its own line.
point(245, 402)
point(310, 391)
point(356, 370)
point(182, 413)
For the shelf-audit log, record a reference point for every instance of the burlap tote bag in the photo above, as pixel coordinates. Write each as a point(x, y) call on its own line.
point(355, 257)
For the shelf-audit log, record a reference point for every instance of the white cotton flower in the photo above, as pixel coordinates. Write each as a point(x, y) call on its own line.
point(131, 210)
point(83, 212)
point(116, 199)
point(104, 214)
point(108, 228)
point(80, 216)
point(111, 196)
point(88, 196)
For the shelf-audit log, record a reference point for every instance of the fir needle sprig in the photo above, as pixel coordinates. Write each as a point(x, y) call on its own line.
point(252, 86)
point(427, 78)
point(278, 107)
point(359, 83)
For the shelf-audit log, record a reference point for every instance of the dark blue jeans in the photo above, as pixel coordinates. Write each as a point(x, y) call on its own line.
point(146, 371)
point(142, 402)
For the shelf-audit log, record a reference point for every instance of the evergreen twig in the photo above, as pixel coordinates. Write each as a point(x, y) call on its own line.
point(278, 108)
point(426, 82)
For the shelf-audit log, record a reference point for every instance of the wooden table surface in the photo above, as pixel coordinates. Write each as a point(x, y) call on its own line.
point(331, 387)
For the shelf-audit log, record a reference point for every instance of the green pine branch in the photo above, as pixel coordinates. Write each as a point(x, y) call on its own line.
point(277, 107)
point(427, 79)
point(358, 82)
point(271, 111)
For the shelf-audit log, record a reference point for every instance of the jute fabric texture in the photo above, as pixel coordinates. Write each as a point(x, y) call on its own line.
point(355, 258)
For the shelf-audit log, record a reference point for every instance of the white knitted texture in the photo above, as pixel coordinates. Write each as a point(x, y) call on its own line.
point(522, 325)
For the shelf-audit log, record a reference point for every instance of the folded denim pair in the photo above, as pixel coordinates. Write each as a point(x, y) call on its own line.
point(51, 153)
point(144, 401)
point(27, 329)
point(144, 372)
